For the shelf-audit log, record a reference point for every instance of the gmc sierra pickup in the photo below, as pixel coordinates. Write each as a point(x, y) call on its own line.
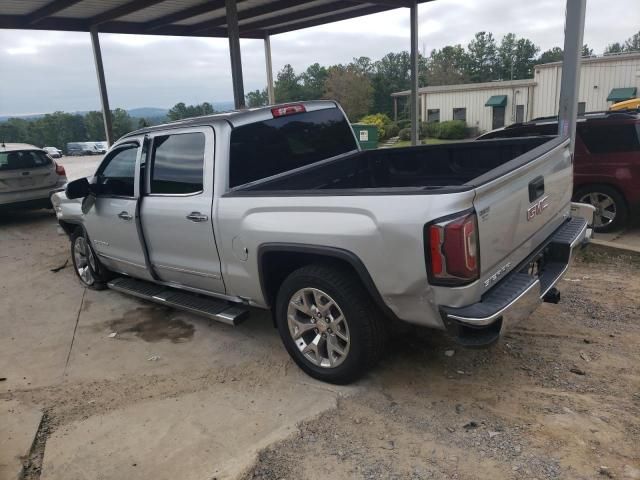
point(277, 208)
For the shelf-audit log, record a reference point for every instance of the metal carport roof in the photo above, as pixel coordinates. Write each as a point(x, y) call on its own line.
point(202, 18)
point(237, 19)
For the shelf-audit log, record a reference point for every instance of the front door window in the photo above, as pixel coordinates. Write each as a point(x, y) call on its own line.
point(116, 176)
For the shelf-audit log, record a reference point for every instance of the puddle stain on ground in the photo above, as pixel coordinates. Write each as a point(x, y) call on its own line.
point(152, 324)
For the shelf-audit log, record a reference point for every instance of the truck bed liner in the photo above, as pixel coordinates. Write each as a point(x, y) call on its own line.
point(421, 168)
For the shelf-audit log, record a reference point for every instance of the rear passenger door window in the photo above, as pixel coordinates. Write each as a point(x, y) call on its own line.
point(177, 165)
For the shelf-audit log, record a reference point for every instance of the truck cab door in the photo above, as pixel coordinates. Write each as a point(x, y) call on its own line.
point(111, 222)
point(176, 209)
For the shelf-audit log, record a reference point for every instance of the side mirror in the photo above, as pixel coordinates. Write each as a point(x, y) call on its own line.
point(78, 188)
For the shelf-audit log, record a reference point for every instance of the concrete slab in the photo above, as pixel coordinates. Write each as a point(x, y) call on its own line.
point(18, 428)
point(214, 433)
point(627, 239)
point(77, 167)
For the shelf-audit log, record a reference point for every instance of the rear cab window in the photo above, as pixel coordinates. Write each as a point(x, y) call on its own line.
point(264, 149)
point(23, 159)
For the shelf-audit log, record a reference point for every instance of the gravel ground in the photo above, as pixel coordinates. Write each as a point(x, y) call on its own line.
point(558, 397)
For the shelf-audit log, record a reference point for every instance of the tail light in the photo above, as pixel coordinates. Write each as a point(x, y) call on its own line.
point(60, 169)
point(288, 110)
point(452, 253)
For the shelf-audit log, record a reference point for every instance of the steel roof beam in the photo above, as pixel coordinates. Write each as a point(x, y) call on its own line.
point(184, 14)
point(121, 11)
point(245, 14)
point(326, 9)
point(387, 3)
point(48, 10)
point(251, 30)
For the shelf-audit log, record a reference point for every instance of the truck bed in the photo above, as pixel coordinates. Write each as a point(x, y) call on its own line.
point(425, 167)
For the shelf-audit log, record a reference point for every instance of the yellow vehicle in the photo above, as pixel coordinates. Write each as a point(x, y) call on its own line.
point(631, 104)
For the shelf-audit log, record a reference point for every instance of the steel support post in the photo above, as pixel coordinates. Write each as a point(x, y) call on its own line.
point(414, 73)
point(267, 58)
point(102, 86)
point(570, 83)
point(395, 109)
point(234, 51)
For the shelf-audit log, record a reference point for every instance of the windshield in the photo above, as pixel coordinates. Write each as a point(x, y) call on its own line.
point(23, 159)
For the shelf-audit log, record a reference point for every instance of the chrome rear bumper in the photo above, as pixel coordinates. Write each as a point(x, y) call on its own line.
point(519, 293)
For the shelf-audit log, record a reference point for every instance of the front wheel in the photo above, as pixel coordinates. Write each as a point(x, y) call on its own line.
point(329, 324)
point(87, 267)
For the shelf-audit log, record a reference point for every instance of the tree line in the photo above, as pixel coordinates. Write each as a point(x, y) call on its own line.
point(362, 86)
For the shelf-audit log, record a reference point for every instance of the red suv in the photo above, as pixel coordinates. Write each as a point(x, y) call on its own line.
point(607, 162)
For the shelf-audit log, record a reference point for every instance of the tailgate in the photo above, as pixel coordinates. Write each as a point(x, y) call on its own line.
point(519, 204)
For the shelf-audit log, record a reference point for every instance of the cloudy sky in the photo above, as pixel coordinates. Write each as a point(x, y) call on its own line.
point(48, 71)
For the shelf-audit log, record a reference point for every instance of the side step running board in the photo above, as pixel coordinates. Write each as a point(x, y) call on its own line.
point(225, 312)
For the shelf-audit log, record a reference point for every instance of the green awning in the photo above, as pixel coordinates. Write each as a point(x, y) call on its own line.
point(497, 101)
point(621, 94)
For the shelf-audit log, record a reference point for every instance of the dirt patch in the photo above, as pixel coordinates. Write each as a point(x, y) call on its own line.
point(152, 324)
point(557, 397)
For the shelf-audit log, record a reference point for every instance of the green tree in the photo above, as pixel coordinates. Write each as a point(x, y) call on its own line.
point(515, 58)
point(615, 47)
point(287, 86)
point(391, 73)
point(553, 55)
point(142, 123)
point(482, 51)
point(633, 43)
point(586, 51)
point(94, 124)
point(313, 79)
point(447, 66)
point(121, 121)
point(257, 98)
point(180, 111)
point(351, 89)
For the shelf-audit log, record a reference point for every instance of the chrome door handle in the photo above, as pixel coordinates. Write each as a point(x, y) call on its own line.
point(124, 215)
point(197, 217)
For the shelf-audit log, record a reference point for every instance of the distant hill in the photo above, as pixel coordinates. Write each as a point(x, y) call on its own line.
point(145, 112)
point(154, 113)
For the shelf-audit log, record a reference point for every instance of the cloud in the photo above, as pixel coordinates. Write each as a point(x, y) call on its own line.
point(48, 71)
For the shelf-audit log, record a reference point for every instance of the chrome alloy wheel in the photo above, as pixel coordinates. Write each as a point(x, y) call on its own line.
point(84, 260)
point(318, 327)
point(605, 208)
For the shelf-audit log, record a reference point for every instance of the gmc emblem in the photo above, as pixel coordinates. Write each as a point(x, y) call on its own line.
point(537, 208)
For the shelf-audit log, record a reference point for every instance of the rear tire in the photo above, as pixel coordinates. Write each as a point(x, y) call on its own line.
point(611, 208)
point(88, 268)
point(329, 324)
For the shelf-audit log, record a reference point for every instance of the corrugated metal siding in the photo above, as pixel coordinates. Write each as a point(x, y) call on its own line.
point(597, 79)
point(478, 115)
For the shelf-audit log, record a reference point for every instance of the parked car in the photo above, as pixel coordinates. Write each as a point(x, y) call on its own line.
point(607, 162)
point(277, 208)
point(53, 152)
point(86, 148)
point(28, 176)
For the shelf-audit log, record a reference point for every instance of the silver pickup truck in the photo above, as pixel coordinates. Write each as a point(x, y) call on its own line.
point(277, 208)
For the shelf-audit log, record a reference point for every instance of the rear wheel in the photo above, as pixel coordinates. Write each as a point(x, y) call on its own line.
point(329, 324)
point(611, 209)
point(87, 267)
